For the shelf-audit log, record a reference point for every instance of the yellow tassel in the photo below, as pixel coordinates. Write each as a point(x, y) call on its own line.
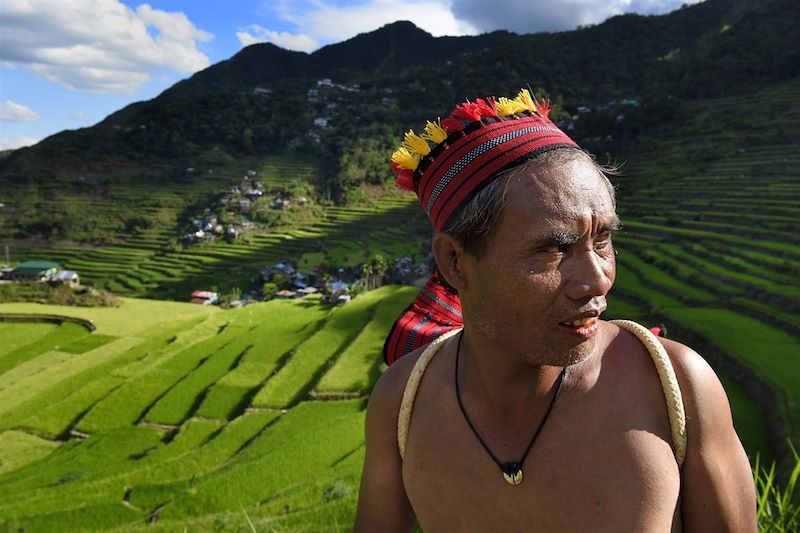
point(506, 106)
point(405, 159)
point(524, 98)
point(415, 143)
point(434, 132)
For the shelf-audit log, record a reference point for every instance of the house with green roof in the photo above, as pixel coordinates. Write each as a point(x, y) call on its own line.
point(34, 271)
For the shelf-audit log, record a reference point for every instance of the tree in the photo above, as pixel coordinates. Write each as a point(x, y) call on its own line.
point(373, 270)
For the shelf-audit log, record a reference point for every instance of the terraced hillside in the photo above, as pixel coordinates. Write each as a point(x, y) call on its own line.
point(175, 416)
point(710, 244)
point(146, 265)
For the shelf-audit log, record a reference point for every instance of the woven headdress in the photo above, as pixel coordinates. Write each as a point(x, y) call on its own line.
point(445, 166)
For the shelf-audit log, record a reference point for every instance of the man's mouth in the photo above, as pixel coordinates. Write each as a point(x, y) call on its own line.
point(584, 327)
point(581, 321)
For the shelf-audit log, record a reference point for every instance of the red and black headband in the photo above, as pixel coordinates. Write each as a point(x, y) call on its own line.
point(456, 156)
point(444, 166)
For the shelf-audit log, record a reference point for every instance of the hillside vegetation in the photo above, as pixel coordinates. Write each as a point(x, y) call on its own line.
point(204, 420)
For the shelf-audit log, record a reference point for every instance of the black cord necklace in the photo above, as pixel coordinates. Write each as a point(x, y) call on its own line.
point(512, 471)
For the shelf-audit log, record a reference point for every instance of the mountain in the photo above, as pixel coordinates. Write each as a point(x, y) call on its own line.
point(388, 49)
point(404, 76)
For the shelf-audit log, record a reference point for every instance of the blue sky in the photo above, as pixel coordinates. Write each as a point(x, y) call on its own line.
point(66, 64)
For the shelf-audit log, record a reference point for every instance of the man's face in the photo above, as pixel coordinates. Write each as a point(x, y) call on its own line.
point(549, 263)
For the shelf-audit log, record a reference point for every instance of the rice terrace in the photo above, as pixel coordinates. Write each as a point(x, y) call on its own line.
point(125, 407)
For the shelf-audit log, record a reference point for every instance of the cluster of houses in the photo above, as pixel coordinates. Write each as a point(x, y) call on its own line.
point(569, 125)
point(40, 272)
point(296, 284)
point(316, 95)
point(208, 228)
point(241, 200)
point(336, 285)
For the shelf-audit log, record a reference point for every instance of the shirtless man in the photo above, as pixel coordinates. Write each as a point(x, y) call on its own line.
point(531, 259)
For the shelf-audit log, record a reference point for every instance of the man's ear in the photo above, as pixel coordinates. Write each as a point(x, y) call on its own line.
point(450, 258)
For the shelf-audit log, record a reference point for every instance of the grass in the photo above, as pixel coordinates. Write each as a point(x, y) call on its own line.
point(18, 449)
point(51, 339)
point(134, 317)
point(771, 352)
point(360, 363)
point(195, 468)
point(182, 399)
point(778, 508)
point(15, 335)
point(302, 369)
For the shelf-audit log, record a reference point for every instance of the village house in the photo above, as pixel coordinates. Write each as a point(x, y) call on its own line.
point(34, 271)
point(306, 291)
point(286, 294)
point(284, 267)
point(204, 297)
point(69, 278)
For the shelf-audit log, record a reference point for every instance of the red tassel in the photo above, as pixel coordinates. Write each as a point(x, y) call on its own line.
point(487, 108)
point(543, 107)
point(469, 111)
point(451, 125)
point(404, 179)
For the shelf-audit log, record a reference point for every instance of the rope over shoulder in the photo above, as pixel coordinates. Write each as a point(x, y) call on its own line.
point(666, 374)
point(410, 392)
point(669, 383)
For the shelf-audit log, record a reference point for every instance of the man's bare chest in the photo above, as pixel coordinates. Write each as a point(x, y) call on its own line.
point(593, 467)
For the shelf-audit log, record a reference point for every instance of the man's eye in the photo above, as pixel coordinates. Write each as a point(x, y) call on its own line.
point(554, 249)
point(602, 240)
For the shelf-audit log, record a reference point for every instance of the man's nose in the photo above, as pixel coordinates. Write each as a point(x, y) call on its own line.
point(590, 276)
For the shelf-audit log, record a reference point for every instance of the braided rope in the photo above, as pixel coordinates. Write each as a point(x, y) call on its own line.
point(666, 374)
point(407, 404)
point(669, 383)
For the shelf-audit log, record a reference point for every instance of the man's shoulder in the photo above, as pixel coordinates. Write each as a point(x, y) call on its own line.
point(694, 374)
point(701, 389)
point(388, 391)
point(689, 365)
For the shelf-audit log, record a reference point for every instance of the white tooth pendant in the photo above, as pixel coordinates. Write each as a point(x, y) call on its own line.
point(512, 472)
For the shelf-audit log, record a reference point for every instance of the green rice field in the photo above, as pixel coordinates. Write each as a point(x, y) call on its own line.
point(185, 416)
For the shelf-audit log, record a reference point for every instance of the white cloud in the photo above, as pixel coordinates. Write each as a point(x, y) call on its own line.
point(322, 21)
point(326, 21)
point(289, 41)
point(13, 111)
point(9, 143)
point(530, 16)
point(98, 45)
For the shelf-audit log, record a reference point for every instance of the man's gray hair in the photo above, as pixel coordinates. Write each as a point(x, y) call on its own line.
point(474, 222)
